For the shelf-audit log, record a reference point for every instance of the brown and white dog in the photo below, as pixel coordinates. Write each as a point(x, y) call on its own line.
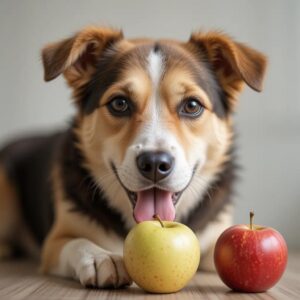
point(153, 133)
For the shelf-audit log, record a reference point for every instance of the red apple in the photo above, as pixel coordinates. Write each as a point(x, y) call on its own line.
point(250, 258)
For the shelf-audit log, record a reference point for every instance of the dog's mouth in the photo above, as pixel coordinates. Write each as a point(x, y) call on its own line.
point(147, 203)
point(153, 201)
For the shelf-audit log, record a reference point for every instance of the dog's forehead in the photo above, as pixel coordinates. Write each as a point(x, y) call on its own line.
point(155, 59)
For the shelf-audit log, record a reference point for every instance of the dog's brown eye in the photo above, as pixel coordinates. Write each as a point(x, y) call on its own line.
point(190, 108)
point(119, 107)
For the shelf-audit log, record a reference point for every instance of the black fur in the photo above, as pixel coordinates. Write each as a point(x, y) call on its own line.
point(28, 165)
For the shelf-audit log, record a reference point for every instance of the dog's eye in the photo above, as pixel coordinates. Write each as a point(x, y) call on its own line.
point(119, 106)
point(190, 108)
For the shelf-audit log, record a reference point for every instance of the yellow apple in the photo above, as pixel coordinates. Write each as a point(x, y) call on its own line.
point(161, 256)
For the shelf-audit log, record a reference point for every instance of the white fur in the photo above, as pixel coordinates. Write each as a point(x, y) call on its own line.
point(209, 235)
point(91, 265)
point(155, 68)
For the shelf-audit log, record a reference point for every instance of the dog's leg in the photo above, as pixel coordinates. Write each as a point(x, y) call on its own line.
point(75, 247)
point(209, 236)
point(9, 215)
point(83, 260)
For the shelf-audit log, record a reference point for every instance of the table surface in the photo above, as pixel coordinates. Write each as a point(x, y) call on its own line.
point(20, 280)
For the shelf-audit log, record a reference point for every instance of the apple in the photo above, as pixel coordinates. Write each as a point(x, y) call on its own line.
point(161, 256)
point(250, 258)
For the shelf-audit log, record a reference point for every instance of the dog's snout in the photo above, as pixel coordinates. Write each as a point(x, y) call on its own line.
point(155, 165)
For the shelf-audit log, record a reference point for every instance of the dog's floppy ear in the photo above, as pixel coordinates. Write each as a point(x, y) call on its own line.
point(77, 55)
point(233, 62)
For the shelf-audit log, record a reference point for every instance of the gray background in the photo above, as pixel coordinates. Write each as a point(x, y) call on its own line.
point(267, 123)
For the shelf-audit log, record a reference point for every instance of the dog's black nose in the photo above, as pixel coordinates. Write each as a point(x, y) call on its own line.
point(155, 165)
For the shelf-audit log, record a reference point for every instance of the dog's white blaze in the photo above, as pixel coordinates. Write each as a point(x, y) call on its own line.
point(155, 67)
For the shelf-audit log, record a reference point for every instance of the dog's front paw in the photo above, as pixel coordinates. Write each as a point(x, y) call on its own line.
point(92, 265)
point(102, 271)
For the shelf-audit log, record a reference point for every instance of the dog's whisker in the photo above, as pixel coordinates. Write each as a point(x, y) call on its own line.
point(200, 182)
point(204, 184)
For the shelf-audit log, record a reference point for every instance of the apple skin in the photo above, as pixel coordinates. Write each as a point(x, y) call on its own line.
point(161, 259)
point(250, 260)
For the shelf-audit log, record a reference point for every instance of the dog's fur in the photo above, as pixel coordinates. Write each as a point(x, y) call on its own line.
point(70, 192)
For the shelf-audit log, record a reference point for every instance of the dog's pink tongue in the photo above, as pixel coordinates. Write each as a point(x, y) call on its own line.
point(154, 201)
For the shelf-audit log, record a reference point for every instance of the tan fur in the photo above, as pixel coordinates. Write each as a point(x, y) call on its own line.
point(178, 85)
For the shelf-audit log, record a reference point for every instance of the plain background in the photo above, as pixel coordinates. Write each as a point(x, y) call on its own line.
point(267, 123)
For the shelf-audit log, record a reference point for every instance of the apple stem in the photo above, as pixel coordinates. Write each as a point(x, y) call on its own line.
point(156, 217)
point(251, 219)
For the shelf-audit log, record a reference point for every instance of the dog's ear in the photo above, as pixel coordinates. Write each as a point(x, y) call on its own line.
point(77, 56)
point(234, 63)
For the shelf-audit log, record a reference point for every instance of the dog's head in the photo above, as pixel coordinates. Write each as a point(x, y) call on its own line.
point(154, 116)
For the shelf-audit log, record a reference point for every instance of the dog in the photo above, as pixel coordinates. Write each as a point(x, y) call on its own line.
point(153, 134)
